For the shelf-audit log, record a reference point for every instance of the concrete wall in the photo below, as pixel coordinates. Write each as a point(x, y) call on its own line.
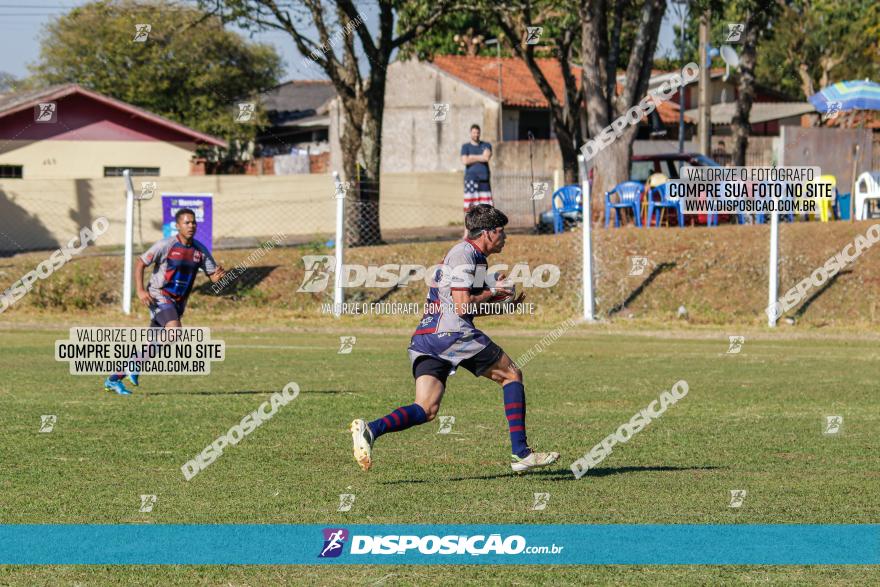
point(58, 159)
point(513, 157)
point(831, 149)
point(411, 140)
point(43, 214)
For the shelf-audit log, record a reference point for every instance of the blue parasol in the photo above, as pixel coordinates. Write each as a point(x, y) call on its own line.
point(854, 95)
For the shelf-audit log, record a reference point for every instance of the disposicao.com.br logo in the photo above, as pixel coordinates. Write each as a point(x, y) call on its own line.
point(479, 544)
point(319, 270)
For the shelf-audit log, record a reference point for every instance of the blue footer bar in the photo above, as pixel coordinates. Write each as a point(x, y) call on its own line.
point(240, 544)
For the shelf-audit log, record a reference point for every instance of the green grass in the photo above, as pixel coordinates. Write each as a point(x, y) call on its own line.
point(750, 421)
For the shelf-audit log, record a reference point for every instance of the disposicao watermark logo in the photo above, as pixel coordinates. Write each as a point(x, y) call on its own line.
point(446, 424)
point(141, 33)
point(833, 110)
point(541, 500)
point(737, 498)
point(147, 503)
point(236, 434)
point(440, 112)
point(346, 500)
point(540, 189)
point(627, 430)
point(833, 425)
point(55, 261)
point(319, 267)
point(736, 344)
point(446, 545)
point(246, 112)
point(824, 273)
point(46, 112)
point(734, 31)
point(346, 345)
point(638, 266)
point(334, 540)
point(47, 422)
point(533, 35)
point(634, 115)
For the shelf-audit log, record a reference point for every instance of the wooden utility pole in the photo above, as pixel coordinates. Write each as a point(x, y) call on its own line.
point(705, 99)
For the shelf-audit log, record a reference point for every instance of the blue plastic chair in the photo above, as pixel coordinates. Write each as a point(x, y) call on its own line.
point(842, 206)
point(569, 200)
point(663, 202)
point(630, 196)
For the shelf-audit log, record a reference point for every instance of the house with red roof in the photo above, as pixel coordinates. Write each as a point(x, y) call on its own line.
point(430, 106)
point(70, 132)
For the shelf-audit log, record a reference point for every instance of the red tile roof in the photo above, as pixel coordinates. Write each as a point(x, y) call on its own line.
point(518, 87)
point(16, 102)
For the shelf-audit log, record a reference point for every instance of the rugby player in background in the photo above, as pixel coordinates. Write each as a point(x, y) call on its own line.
point(447, 339)
point(176, 260)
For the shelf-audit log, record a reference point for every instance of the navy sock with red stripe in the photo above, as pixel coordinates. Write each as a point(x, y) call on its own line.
point(515, 409)
point(400, 419)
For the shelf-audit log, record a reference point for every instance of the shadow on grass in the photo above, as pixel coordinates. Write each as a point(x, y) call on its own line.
point(809, 301)
point(240, 284)
point(559, 474)
point(638, 291)
point(249, 392)
point(233, 392)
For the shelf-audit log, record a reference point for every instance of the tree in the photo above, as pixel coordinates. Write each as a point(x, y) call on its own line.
point(561, 27)
point(601, 52)
point(757, 16)
point(559, 40)
point(7, 82)
point(188, 69)
point(361, 96)
point(460, 32)
point(819, 42)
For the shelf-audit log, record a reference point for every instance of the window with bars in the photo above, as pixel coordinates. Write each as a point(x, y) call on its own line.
point(11, 171)
point(142, 171)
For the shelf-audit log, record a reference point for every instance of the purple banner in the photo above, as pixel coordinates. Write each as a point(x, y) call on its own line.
point(201, 204)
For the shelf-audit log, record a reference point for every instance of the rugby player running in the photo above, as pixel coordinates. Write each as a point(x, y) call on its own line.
point(176, 261)
point(447, 339)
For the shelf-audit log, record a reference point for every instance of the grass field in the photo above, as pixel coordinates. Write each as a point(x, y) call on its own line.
point(751, 421)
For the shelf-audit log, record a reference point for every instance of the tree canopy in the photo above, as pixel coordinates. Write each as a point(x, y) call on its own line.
point(189, 68)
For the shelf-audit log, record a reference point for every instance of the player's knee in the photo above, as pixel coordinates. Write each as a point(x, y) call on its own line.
point(514, 374)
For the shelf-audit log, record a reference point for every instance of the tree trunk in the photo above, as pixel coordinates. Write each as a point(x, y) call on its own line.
point(740, 126)
point(569, 153)
point(611, 167)
point(611, 164)
point(362, 215)
point(570, 164)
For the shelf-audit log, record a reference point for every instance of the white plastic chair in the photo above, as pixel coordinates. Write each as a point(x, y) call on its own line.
point(867, 188)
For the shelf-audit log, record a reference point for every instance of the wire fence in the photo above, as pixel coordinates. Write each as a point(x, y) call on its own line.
point(520, 199)
point(246, 211)
point(412, 215)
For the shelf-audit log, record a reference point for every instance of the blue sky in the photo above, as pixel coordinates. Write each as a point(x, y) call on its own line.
point(21, 22)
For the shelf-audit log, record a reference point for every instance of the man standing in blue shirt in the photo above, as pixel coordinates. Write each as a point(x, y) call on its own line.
point(475, 155)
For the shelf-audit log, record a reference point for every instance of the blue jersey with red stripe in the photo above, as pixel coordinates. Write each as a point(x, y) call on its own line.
point(175, 267)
